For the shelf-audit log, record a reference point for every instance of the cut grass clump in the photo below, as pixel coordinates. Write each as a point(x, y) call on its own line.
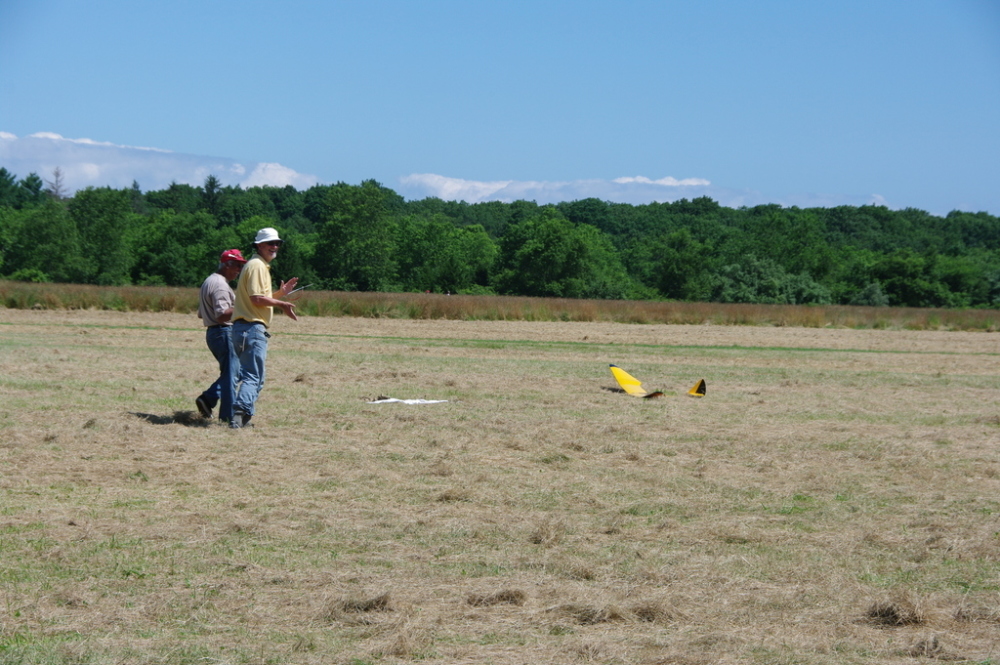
point(902, 610)
point(547, 533)
point(652, 611)
point(506, 596)
point(930, 648)
point(354, 609)
point(380, 603)
point(455, 495)
point(589, 615)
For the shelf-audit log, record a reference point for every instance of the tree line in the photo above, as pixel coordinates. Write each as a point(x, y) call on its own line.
point(368, 238)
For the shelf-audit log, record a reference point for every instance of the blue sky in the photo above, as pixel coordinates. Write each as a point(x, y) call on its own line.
point(793, 102)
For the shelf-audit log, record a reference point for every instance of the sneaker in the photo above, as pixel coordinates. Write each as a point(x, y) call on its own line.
point(203, 407)
point(240, 420)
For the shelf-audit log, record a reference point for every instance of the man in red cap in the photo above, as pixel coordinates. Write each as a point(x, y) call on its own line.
point(216, 311)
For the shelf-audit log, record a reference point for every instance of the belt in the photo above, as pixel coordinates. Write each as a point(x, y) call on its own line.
point(255, 323)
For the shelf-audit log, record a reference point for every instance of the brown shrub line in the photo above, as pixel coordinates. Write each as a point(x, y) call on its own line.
point(22, 295)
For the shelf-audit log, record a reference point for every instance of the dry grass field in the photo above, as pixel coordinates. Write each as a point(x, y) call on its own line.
point(834, 498)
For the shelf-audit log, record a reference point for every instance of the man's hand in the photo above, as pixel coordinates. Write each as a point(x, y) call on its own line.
point(289, 309)
point(287, 287)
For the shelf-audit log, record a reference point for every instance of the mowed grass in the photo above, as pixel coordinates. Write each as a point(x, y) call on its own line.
point(834, 498)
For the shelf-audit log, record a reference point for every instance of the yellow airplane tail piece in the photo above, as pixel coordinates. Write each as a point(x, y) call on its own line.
point(629, 383)
point(698, 390)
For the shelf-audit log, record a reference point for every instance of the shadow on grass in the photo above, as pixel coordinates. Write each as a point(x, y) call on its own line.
point(186, 418)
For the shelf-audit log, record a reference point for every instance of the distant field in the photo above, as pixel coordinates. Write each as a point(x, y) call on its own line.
point(834, 498)
point(21, 295)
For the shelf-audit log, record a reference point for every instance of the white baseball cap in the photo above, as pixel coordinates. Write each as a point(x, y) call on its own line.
point(267, 235)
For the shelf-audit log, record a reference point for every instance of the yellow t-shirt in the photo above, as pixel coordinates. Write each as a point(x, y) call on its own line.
point(255, 280)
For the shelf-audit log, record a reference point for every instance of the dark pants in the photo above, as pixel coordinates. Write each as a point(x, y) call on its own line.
point(220, 343)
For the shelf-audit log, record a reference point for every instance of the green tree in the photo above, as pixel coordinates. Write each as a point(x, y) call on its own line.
point(494, 216)
point(872, 295)
point(211, 196)
point(176, 197)
point(591, 211)
point(434, 255)
point(32, 191)
point(315, 207)
point(138, 200)
point(791, 237)
point(549, 256)
point(287, 204)
point(908, 279)
point(108, 229)
point(181, 249)
point(682, 266)
point(43, 245)
point(754, 280)
point(354, 249)
point(974, 230)
point(10, 195)
point(7, 226)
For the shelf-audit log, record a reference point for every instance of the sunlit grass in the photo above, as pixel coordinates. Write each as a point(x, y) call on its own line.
point(817, 502)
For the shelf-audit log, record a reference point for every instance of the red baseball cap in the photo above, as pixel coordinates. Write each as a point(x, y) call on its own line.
point(232, 255)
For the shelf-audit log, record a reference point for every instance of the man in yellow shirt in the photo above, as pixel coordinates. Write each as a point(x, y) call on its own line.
point(255, 303)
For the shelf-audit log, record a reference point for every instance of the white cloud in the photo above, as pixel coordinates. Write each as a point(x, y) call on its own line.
point(636, 190)
point(276, 175)
point(88, 163)
point(58, 137)
point(48, 135)
point(666, 182)
point(90, 171)
point(454, 189)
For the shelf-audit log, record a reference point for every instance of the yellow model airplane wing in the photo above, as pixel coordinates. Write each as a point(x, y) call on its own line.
point(630, 384)
point(633, 386)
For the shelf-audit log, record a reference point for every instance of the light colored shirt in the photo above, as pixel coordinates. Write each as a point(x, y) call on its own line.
point(255, 280)
point(216, 298)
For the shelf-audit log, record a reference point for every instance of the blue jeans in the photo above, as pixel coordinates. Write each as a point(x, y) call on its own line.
point(221, 392)
point(250, 344)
